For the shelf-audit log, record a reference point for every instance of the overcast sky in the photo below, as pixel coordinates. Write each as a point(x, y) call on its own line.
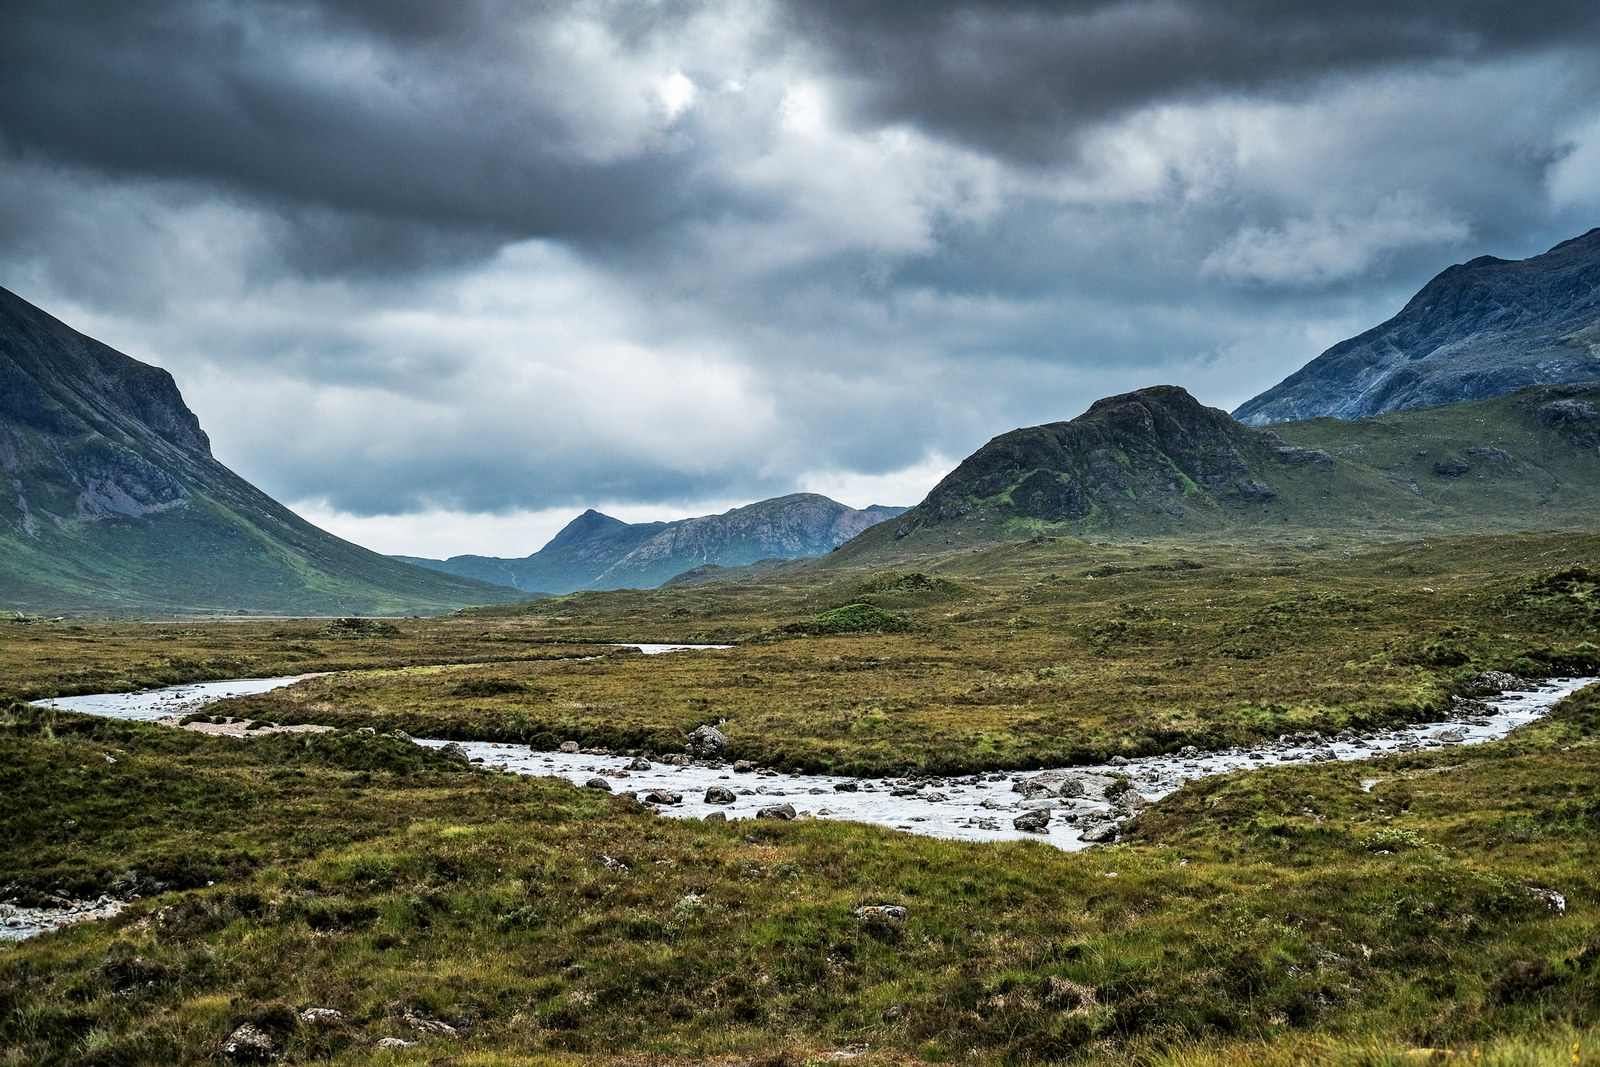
point(440, 275)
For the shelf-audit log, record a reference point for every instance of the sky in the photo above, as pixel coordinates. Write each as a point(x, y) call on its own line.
point(442, 275)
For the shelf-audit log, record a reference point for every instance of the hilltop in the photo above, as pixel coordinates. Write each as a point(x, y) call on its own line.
point(1157, 463)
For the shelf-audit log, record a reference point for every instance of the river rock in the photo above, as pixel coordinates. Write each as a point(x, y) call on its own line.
point(1099, 833)
point(1452, 735)
point(455, 751)
point(720, 794)
point(846, 787)
point(1118, 761)
point(661, 796)
point(639, 764)
point(715, 816)
point(1038, 804)
point(1131, 802)
point(785, 812)
point(677, 759)
point(994, 803)
point(569, 747)
point(1033, 822)
point(598, 783)
point(706, 742)
point(250, 1044)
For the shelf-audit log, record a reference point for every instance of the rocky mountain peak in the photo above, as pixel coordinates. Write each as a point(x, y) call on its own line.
point(1479, 329)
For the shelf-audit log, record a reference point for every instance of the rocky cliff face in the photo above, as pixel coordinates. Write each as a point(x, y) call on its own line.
point(595, 551)
point(1480, 329)
point(110, 500)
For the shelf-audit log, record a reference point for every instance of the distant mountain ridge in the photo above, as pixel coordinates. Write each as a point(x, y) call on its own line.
point(596, 551)
point(1479, 329)
point(110, 501)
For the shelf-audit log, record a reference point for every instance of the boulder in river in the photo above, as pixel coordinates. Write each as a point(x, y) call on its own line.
point(455, 751)
point(639, 764)
point(785, 812)
point(1450, 735)
point(661, 796)
point(706, 742)
point(1033, 822)
point(720, 794)
point(743, 766)
point(569, 747)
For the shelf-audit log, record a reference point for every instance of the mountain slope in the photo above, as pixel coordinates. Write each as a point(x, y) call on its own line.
point(110, 501)
point(1478, 330)
point(595, 551)
point(1156, 462)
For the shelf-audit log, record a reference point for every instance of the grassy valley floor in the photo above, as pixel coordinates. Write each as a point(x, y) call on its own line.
point(1297, 914)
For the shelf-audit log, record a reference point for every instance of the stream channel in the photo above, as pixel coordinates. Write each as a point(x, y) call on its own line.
point(979, 807)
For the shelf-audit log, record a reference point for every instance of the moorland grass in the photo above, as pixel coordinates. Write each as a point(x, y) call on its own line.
point(362, 874)
point(1279, 915)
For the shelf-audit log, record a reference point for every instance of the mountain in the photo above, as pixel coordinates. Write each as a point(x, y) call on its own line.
point(111, 502)
point(1480, 329)
point(595, 551)
point(1156, 462)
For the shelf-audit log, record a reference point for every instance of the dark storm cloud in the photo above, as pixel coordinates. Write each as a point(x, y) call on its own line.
point(1020, 76)
point(420, 113)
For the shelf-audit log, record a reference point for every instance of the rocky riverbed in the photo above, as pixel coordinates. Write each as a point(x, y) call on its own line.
point(1070, 807)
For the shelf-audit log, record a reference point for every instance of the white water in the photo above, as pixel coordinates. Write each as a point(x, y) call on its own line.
point(971, 807)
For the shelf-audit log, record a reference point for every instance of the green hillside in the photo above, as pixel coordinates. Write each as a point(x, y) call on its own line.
point(111, 502)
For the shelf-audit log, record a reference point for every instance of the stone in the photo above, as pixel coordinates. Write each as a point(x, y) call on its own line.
point(716, 816)
point(743, 766)
point(880, 914)
point(1099, 833)
point(1033, 822)
point(846, 787)
point(455, 751)
point(706, 742)
point(1188, 752)
point(677, 759)
point(1548, 897)
point(1451, 735)
point(569, 747)
point(598, 783)
point(250, 1044)
point(321, 1016)
point(1070, 787)
point(661, 796)
point(639, 764)
point(394, 1043)
point(1131, 801)
point(1118, 761)
point(785, 812)
point(720, 794)
point(1039, 804)
point(367, 731)
point(994, 804)
point(428, 1026)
